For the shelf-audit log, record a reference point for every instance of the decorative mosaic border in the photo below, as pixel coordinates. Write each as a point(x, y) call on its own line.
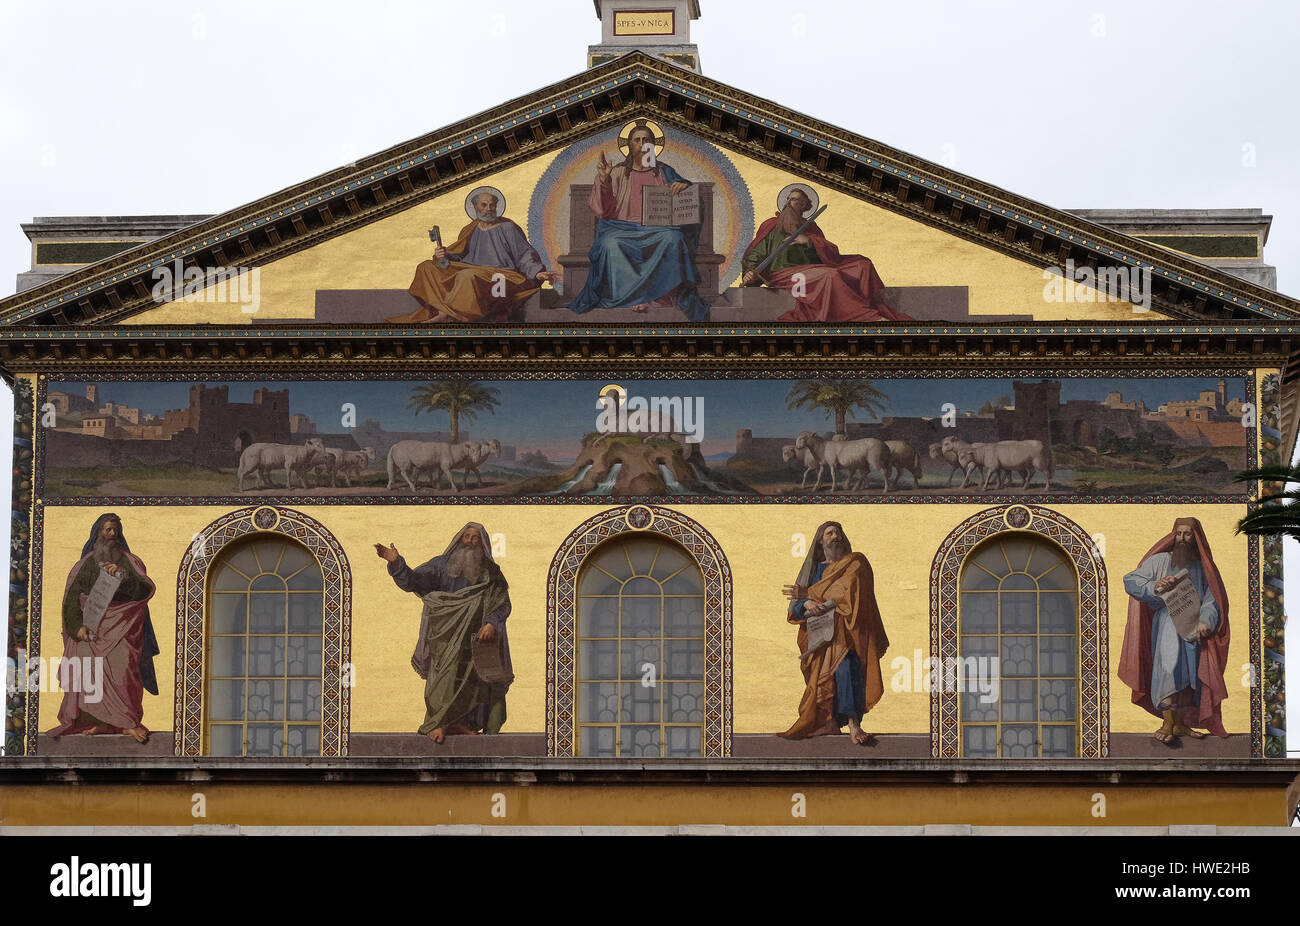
point(1094, 649)
point(19, 710)
point(561, 620)
point(191, 638)
point(1268, 608)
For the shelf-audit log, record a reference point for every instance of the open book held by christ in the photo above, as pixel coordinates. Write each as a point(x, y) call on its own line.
point(1184, 604)
point(660, 207)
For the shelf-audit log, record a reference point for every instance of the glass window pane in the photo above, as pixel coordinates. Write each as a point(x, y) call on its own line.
point(305, 613)
point(687, 582)
point(1017, 553)
point(1018, 581)
point(294, 559)
point(265, 699)
point(641, 552)
point(991, 558)
point(641, 616)
point(1019, 742)
point(305, 656)
point(640, 741)
point(597, 617)
point(682, 742)
point(636, 655)
point(684, 617)
point(226, 579)
point(974, 708)
point(598, 702)
point(1059, 742)
point(1019, 699)
point(242, 558)
point(265, 657)
point(611, 558)
point(595, 581)
point(226, 701)
point(1019, 657)
point(1059, 577)
point(982, 647)
point(265, 740)
point(267, 612)
point(597, 742)
point(979, 612)
point(226, 739)
point(226, 657)
point(1019, 612)
point(1059, 614)
point(307, 580)
point(227, 613)
point(1057, 656)
point(641, 587)
point(684, 659)
point(1060, 700)
point(267, 583)
point(304, 700)
point(268, 553)
point(599, 659)
point(671, 559)
point(303, 741)
point(973, 577)
point(980, 742)
point(640, 703)
point(684, 702)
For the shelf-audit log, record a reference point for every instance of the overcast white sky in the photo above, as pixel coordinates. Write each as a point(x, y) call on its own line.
point(132, 108)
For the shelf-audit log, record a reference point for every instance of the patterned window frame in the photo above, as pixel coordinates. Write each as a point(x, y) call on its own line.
point(561, 620)
point(191, 631)
point(1094, 649)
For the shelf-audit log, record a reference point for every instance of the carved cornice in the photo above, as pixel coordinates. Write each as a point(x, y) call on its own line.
point(746, 351)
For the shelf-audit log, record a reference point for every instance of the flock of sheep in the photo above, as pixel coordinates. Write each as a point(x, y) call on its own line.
point(891, 458)
point(408, 459)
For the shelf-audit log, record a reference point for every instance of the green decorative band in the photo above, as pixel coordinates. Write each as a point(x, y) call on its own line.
point(1208, 245)
point(80, 252)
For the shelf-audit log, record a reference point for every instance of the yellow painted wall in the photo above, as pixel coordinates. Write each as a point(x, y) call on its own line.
point(900, 540)
point(384, 255)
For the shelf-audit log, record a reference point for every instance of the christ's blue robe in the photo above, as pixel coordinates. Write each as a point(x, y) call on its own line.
point(633, 264)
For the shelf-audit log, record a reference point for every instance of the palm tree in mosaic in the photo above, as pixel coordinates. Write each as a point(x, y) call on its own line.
point(458, 398)
point(837, 396)
point(1276, 513)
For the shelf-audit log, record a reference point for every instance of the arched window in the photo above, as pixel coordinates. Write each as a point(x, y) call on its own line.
point(1019, 623)
point(1020, 591)
point(638, 657)
point(640, 650)
point(265, 645)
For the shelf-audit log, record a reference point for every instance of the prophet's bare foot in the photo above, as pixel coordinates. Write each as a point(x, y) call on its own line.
point(437, 734)
point(1161, 736)
point(857, 735)
point(99, 729)
point(1182, 730)
point(459, 729)
point(641, 308)
point(140, 734)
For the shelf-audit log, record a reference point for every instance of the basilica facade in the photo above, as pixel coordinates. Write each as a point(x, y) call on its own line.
point(644, 434)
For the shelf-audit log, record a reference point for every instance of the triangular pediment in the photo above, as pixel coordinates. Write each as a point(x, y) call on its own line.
point(342, 248)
